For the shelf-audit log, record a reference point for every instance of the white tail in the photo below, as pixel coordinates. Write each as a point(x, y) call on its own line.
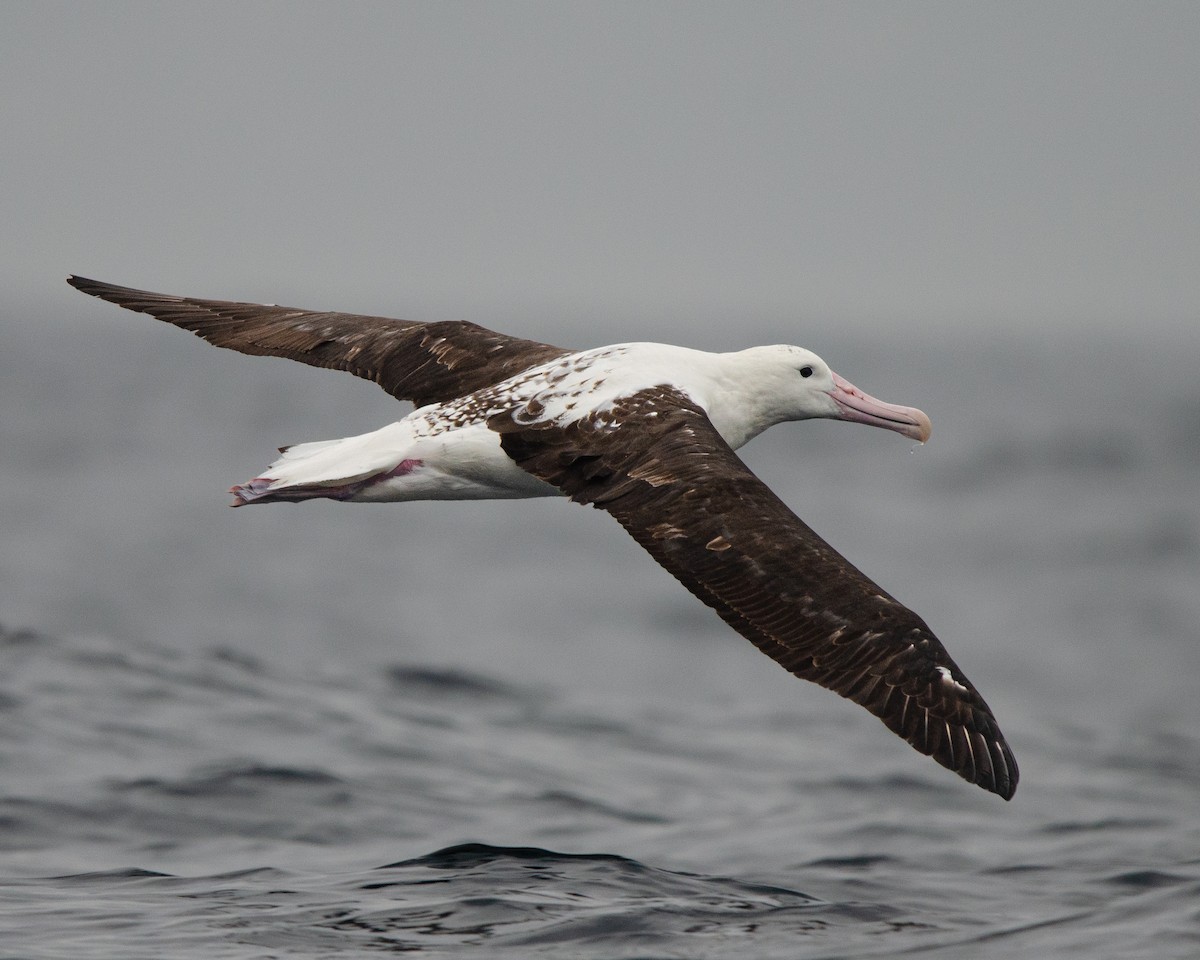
point(334, 469)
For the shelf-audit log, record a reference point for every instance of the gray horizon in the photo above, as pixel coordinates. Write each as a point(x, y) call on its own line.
point(592, 172)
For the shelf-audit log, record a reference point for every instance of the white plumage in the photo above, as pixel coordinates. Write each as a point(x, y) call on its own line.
point(445, 451)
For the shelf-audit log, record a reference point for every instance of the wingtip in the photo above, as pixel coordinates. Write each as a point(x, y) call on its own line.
point(94, 288)
point(999, 774)
point(131, 298)
point(1005, 781)
point(1004, 787)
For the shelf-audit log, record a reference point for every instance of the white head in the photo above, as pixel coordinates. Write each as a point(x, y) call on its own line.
point(791, 383)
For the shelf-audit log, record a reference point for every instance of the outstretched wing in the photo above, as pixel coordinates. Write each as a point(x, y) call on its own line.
point(684, 495)
point(421, 362)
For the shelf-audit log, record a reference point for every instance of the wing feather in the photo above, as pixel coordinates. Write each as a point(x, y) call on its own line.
point(681, 492)
point(421, 362)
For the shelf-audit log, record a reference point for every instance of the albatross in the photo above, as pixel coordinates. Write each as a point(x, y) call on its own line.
point(645, 432)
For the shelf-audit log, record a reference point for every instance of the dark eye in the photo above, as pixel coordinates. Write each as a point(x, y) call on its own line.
point(806, 372)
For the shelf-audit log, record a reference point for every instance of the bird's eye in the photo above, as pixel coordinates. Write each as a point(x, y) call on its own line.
point(806, 372)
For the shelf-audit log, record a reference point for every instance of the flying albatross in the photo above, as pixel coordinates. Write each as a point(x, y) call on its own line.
point(647, 433)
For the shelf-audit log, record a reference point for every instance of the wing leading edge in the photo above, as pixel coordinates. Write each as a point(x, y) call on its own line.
point(686, 497)
point(422, 362)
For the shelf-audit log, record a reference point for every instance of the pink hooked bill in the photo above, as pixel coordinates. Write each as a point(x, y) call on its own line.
point(859, 407)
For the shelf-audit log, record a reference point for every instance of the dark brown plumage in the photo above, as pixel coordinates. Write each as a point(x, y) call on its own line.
point(421, 362)
point(688, 499)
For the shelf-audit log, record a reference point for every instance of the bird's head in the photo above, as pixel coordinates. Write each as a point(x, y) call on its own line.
point(798, 385)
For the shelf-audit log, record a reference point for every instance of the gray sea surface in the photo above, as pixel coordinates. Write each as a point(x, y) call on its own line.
point(328, 730)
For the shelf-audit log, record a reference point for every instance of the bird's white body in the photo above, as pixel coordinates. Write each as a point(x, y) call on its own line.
point(402, 462)
point(446, 451)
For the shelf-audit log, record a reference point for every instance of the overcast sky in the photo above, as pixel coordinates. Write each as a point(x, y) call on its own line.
point(620, 169)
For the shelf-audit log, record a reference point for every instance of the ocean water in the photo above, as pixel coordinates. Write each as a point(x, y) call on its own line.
point(332, 730)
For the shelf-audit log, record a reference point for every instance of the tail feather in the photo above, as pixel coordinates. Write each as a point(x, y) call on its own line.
point(333, 469)
point(270, 490)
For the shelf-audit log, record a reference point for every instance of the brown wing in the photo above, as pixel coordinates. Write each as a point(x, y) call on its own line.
point(684, 495)
point(421, 362)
